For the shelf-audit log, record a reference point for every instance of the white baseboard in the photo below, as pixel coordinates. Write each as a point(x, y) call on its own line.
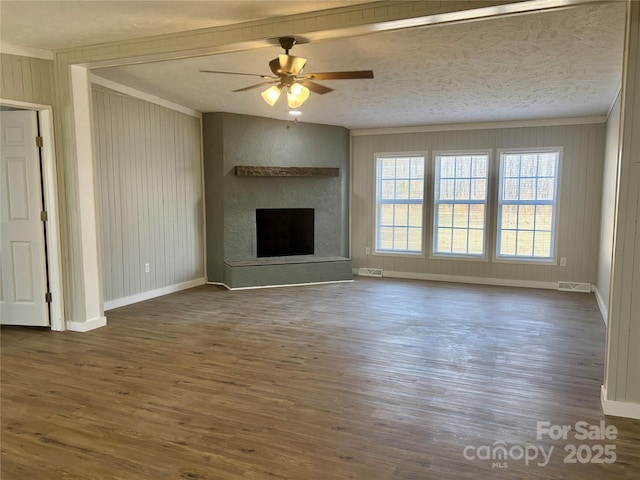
point(88, 325)
point(618, 409)
point(602, 305)
point(158, 292)
point(475, 280)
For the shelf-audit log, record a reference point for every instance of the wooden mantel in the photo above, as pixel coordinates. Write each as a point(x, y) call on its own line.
point(255, 171)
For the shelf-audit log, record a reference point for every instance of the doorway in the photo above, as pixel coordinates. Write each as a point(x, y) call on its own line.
point(30, 269)
point(24, 284)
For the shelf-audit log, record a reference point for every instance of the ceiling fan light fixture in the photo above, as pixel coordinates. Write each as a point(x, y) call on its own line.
point(297, 95)
point(271, 95)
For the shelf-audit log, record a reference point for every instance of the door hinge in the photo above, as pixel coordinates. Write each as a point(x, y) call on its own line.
point(48, 297)
point(43, 216)
point(39, 142)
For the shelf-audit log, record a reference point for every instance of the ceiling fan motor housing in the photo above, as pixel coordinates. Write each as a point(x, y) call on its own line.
point(287, 43)
point(287, 65)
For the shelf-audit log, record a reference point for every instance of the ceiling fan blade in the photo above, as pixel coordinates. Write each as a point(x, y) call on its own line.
point(314, 87)
point(340, 75)
point(250, 87)
point(236, 73)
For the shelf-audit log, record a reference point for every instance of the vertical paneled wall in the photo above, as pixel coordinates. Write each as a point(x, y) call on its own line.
point(579, 203)
point(608, 205)
point(622, 374)
point(149, 194)
point(26, 79)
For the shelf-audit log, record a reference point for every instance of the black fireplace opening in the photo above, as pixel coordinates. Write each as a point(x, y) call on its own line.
point(284, 231)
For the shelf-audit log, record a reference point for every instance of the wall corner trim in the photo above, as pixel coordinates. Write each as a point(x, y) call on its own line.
point(618, 409)
point(91, 324)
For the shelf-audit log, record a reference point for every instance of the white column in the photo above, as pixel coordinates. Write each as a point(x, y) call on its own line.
point(89, 251)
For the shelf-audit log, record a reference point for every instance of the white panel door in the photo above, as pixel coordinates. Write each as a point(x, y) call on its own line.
point(22, 253)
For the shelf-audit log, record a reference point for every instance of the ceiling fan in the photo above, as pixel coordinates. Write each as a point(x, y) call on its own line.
point(287, 75)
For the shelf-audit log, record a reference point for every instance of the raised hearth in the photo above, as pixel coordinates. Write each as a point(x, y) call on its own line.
point(290, 270)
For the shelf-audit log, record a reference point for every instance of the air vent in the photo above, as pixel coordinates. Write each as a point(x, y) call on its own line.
point(574, 287)
point(370, 272)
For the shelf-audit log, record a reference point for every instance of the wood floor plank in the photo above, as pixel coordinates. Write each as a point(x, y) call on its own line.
point(376, 379)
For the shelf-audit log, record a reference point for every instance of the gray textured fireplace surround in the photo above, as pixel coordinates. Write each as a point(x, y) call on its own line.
point(231, 140)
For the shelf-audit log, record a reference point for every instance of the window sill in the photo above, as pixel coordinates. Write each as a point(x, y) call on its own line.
point(551, 262)
point(386, 253)
point(453, 257)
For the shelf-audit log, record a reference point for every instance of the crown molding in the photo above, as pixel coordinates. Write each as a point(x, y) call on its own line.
point(545, 122)
point(21, 51)
point(132, 92)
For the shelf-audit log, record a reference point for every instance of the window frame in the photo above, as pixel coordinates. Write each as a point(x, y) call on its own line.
point(553, 260)
point(399, 253)
point(484, 257)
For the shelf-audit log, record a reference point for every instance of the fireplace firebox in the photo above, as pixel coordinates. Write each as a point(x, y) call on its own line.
point(284, 231)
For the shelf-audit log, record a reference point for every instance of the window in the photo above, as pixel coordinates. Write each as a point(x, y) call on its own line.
point(399, 204)
point(460, 204)
point(527, 204)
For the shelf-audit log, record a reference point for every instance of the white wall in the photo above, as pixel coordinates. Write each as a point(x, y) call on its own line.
point(578, 209)
point(149, 195)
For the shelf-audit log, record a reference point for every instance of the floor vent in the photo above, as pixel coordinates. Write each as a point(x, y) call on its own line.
point(574, 287)
point(370, 272)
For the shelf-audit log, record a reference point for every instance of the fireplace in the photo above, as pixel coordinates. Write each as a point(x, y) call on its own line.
point(284, 231)
point(249, 246)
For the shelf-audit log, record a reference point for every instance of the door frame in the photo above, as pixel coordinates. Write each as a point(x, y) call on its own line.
point(50, 195)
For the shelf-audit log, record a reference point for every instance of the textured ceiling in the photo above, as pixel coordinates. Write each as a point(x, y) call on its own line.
point(563, 63)
point(55, 25)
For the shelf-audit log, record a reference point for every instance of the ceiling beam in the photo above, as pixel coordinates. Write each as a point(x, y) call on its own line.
point(342, 22)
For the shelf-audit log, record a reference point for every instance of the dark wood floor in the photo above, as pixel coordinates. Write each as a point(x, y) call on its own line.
point(376, 379)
